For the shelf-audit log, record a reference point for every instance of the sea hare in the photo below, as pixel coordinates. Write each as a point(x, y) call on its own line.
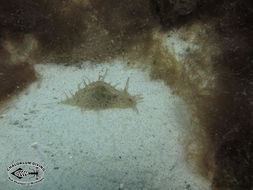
point(100, 95)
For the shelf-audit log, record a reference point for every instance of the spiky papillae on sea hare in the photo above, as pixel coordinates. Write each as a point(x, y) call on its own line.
point(99, 95)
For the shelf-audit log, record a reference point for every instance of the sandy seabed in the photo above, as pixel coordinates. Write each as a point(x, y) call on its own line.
point(109, 149)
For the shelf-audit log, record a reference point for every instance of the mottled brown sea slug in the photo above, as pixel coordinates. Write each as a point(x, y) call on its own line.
point(99, 95)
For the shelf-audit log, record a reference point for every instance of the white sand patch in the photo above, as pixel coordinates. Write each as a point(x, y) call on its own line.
point(111, 149)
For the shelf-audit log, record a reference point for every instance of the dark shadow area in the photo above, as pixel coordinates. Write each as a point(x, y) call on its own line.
point(14, 78)
point(57, 24)
point(232, 126)
point(227, 116)
point(175, 13)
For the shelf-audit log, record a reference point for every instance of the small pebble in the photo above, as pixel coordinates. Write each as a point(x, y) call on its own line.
point(20, 126)
point(34, 145)
point(188, 186)
point(121, 186)
point(50, 144)
point(16, 122)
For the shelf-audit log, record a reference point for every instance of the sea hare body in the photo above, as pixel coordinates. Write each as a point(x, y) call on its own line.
point(100, 95)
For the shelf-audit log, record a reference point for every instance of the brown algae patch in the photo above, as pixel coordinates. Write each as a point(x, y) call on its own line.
point(100, 95)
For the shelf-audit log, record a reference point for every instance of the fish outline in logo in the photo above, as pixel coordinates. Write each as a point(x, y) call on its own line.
point(20, 173)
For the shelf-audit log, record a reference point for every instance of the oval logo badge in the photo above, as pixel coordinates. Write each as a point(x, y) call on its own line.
point(26, 173)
